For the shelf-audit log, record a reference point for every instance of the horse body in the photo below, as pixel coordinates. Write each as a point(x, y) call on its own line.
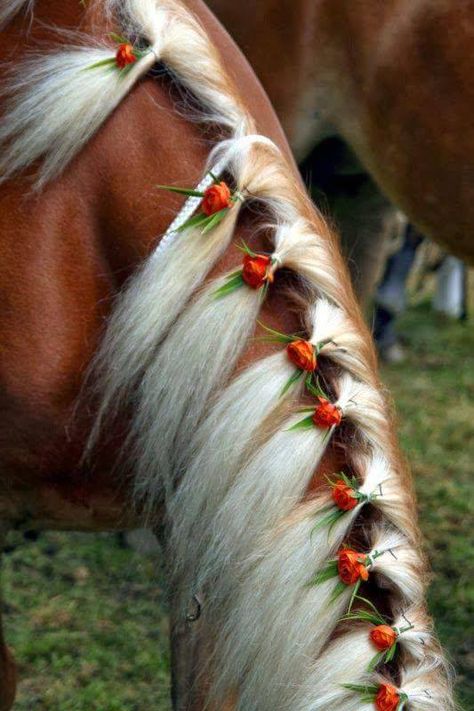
point(240, 490)
point(392, 80)
point(66, 252)
point(73, 246)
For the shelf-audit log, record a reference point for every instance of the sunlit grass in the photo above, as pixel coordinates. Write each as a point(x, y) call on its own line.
point(434, 395)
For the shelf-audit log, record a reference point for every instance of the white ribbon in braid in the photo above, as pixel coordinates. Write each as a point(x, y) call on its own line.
point(188, 208)
point(227, 151)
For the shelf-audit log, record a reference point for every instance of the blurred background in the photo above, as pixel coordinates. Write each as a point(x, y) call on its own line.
point(87, 616)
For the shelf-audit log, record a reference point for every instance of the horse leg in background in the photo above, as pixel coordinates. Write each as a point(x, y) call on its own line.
point(390, 299)
point(7, 664)
point(366, 220)
point(450, 298)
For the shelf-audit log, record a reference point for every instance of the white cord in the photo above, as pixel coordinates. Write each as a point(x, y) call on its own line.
point(188, 208)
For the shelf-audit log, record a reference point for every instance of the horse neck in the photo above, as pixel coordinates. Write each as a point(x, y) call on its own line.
point(67, 250)
point(85, 234)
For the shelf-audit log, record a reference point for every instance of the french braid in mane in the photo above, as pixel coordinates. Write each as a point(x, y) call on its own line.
point(279, 569)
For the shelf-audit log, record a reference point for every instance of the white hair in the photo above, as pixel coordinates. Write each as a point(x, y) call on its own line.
point(233, 471)
point(327, 686)
point(10, 8)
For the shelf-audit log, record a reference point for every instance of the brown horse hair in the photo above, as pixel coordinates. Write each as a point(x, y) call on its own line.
point(232, 469)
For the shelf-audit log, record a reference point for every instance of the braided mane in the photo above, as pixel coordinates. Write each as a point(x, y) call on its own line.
point(232, 467)
point(10, 8)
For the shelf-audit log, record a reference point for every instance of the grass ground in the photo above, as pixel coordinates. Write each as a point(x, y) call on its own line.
point(86, 616)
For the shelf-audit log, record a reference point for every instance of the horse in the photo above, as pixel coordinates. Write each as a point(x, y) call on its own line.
point(376, 101)
point(229, 401)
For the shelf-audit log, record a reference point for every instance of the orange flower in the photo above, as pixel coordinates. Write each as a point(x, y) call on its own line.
point(302, 354)
point(326, 414)
point(216, 198)
point(387, 698)
point(383, 637)
point(124, 56)
point(350, 566)
point(255, 270)
point(343, 496)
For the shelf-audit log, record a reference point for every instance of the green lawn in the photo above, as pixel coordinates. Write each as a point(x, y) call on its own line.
point(434, 396)
point(87, 622)
point(86, 617)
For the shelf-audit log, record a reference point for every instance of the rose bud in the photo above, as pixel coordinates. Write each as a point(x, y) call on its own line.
point(343, 496)
point(125, 56)
point(326, 414)
point(383, 637)
point(217, 197)
point(303, 355)
point(387, 698)
point(255, 270)
point(350, 566)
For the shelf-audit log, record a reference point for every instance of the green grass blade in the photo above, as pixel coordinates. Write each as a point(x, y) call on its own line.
point(391, 653)
point(328, 572)
point(102, 63)
point(354, 595)
point(119, 39)
point(234, 283)
point(329, 520)
point(278, 336)
point(338, 591)
point(375, 661)
point(214, 220)
point(291, 381)
point(195, 221)
point(182, 191)
point(302, 424)
point(377, 615)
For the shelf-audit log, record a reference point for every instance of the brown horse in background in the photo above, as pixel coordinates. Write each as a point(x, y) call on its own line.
point(218, 454)
point(376, 99)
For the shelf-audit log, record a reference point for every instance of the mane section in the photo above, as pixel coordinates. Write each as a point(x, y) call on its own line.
point(280, 571)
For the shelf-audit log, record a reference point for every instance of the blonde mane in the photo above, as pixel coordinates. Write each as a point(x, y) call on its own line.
point(233, 471)
point(10, 8)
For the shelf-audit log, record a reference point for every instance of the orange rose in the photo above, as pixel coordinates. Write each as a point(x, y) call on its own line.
point(383, 637)
point(326, 414)
point(350, 566)
point(216, 198)
point(343, 496)
point(255, 270)
point(302, 354)
point(124, 56)
point(387, 698)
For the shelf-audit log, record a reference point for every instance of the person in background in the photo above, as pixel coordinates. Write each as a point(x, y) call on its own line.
point(391, 295)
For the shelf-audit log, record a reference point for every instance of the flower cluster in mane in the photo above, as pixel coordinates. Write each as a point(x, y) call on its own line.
point(344, 495)
point(216, 201)
point(125, 55)
point(385, 696)
point(327, 414)
point(216, 197)
point(256, 270)
point(303, 355)
point(351, 566)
